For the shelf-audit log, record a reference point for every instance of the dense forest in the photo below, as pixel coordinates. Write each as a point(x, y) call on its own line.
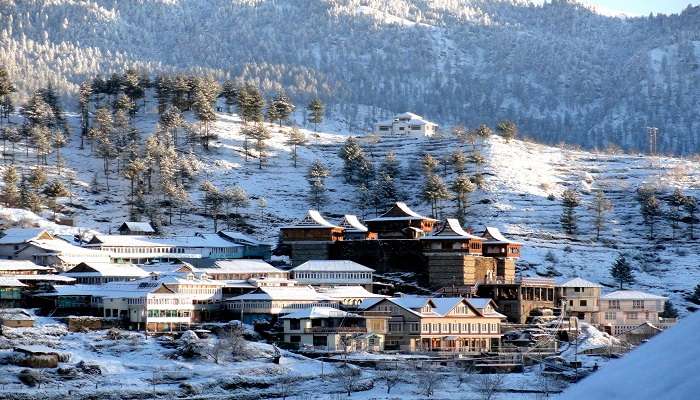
point(560, 71)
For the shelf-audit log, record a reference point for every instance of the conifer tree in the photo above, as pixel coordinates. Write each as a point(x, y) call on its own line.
point(296, 139)
point(695, 295)
point(676, 202)
point(507, 129)
point(317, 186)
point(84, 95)
point(621, 271)
point(600, 207)
point(353, 156)
point(691, 209)
point(483, 132)
point(28, 197)
point(390, 166)
point(651, 211)
point(6, 90)
point(458, 161)
point(669, 310)
point(10, 192)
point(283, 107)
point(386, 191)
point(237, 197)
point(229, 91)
point(316, 111)
point(570, 200)
point(261, 134)
point(251, 104)
point(434, 191)
point(462, 187)
point(53, 191)
point(429, 164)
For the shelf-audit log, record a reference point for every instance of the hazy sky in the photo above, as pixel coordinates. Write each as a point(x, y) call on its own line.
point(643, 7)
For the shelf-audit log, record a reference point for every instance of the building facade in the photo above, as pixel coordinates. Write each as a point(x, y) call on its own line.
point(581, 299)
point(406, 124)
point(624, 310)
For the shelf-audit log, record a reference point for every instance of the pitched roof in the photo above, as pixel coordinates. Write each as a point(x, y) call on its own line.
point(98, 269)
point(198, 241)
point(111, 289)
point(312, 219)
point(332, 266)
point(10, 281)
point(240, 266)
point(138, 226)
point(579, 282)
point(344, 292)
point(45, 278)
point(21, 235)
point(352, 224)
point(21, 265)
point(318, 313)
point(631, 295)
point(16, 314)
point(298, 293)
point(451, 230)
point(238, 237)
point(494, 236)
point(400, 211)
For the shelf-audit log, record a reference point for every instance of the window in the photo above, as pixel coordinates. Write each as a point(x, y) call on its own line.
point(577, 290)
point(295, 339)
point(614, 304)
point(632, 315)
point(583, 303)
point(320, 341)
point(294, 324)
point(638, 304)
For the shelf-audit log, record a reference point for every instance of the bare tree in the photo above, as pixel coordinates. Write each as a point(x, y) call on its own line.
point(228, 343)
point(349, 376)
point(391, 376)
point(488, 385)
point(428, 380)
point(285, 385)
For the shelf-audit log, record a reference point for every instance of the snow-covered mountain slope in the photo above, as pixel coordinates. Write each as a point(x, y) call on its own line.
point(557, 68)
point(524, 181)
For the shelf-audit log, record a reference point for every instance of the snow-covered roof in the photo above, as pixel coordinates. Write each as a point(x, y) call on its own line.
point(347, 292)
point(16, 314)
point(666, 367)
point(111, 289)
point(138, 226)
point(45, 278)
point(21, 265)
point(482, 305)
point(22, 235)
point(408, 115)
point(295, 293)
point(579, 282)
point(206, 240)
point(631, 295)
point(352, 224)
point(98, 269)
point(10, 281)
point(318, 313)
point(241, 266)
point(451, 230)
point(494, 236)
point(58, 246)
point(400, 211)
point(312, 219)
point(239, 237)
point(332, 266)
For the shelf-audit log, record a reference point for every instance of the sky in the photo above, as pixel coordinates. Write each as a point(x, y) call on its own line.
point(642, 7)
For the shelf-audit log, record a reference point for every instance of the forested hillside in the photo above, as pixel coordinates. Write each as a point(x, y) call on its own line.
point(560, 71)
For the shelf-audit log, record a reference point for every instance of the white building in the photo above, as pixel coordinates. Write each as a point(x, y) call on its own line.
point(58, 253)
point(270, 301)
point(99, 273)
point(333, 273)
point(244, 269)
point(350, 297)
point(581, 299)
point(13, 239)
point(406, 124)
point(623, 310)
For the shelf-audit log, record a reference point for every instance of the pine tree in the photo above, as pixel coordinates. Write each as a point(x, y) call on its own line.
point(95, 184)
point(205, 91)
point(296, 139)
point(676, 202)
point(317, 187)
point(385, 191)
point(28, 198)
point(251, 104)
point(271, 114)
point(261, 134)
point(316, 111)
point(429, 164)
point(695, 296)
point(461, 187)
point(10, 193)
point(621, 271)
point(483, 132)
point(478, 160)
point(651, 211)
point(262, 205)
point(691, 209)
point(353, 157)
point(669, 310)
point(229, 91)
point(390, 166)
point(507, 129)
point(85, 93)
point(6, 89)
point(52, 191)
point(600, 207)
point(434, 191)
point(237, 197)
point(458, 161)
point(283, 107)
point(570, 200)
point(213, 200)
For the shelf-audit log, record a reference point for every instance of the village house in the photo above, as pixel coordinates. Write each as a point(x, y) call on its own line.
point(13, 239)
point(503, 250)
point(98, 273)
point(206, 294)
point(354, 229)
point(253, 248)
point(331, 330)
point(33, 277)
point(58, 253)
point(136, 228)
point(437, 324)
point(16, 318)
point(581, 299)
point(269, 302)
point(11, 292)
point(406, 124)
point(624, 310)
point(333, 273)
point(521, 298)
point(312, 228)
point(350, 297)
point(243, 269)
point(142, 249)
point(400, 222)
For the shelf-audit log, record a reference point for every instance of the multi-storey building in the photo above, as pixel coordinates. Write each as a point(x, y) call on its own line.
point(581, 299)
point(333, 273)
point(400, 222)
point(624, 310)
point(437, 324)
point(406, 124)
